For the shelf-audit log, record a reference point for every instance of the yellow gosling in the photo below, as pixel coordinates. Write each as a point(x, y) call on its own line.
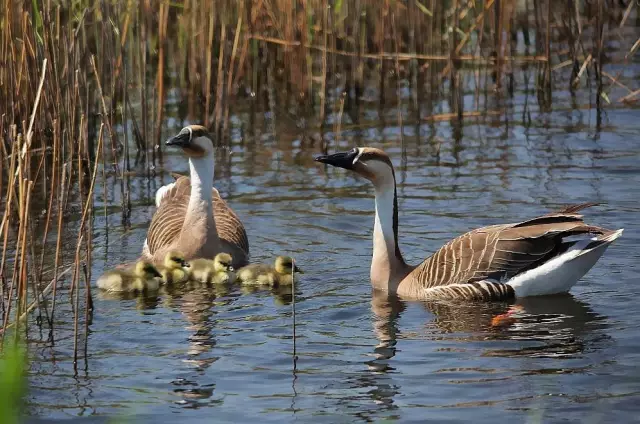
point(279, 274)
point(173, 268)
point(216, 271)
point(143, 277)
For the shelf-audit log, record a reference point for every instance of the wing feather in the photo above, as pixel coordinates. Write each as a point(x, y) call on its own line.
point(166, 223)
point(499, 252)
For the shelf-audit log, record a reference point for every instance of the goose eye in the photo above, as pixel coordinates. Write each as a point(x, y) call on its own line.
point(354, 150)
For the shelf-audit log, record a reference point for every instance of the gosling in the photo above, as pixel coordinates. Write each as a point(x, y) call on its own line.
point(216, 271)
point(144, 277)
point(173, 269)
point(280, 274)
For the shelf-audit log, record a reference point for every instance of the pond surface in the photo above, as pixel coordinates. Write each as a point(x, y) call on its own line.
point(227, 354)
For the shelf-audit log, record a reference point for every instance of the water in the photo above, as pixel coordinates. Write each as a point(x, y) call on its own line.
point(226, 354)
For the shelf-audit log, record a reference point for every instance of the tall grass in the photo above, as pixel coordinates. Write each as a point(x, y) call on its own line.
point(77, 78)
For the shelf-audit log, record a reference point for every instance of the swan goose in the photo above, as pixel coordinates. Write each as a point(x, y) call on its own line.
point(191, 217)
point(497, 262)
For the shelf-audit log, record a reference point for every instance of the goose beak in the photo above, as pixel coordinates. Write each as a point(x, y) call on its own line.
point(156, 273)
point(185, 264)
point(341, 159)
point(296, 269)
point(183, 139)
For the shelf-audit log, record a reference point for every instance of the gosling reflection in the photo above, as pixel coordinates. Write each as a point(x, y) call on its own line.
point(282, 295)
point(197, 304)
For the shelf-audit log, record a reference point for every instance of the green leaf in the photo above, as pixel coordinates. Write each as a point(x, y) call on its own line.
point(423, 8)
point(13, 385)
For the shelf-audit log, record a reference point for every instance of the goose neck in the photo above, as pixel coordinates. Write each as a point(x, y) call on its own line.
point(388, 266)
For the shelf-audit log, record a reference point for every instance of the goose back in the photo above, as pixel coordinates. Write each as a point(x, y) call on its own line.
point(166, 223)
point(497, 253)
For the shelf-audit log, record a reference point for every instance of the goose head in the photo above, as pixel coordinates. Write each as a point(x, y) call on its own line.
point(286, 265)
point(369, 162)
point(175, 260)
point(146, 271)
point(222, 262)
point(194, 140)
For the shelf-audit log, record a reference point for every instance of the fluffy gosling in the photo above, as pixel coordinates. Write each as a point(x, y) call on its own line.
point(216, 271)
point(280, 274)
point(142, 278)
point(173, 269)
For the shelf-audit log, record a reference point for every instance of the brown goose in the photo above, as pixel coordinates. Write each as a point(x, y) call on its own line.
point(192, 217)
point(528, 258)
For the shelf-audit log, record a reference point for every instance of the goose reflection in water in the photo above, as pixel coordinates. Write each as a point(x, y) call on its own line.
point(562, 324)
point(541, 327)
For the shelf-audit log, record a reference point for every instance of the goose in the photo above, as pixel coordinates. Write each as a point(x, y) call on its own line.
point(143, 277)
point(279, 274)
point(173, 268)
point(217, 271)
point(540, 256)
point(191, 217)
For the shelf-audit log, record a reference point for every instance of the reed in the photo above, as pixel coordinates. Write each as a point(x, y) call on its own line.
point(77, 77)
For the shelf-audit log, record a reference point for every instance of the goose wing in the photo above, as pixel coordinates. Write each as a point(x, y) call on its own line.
point(166, 223)
point(499, 252)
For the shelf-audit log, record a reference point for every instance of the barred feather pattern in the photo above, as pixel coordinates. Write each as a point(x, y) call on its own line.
point(496, 253)
point(166, 223)
point(478, 290)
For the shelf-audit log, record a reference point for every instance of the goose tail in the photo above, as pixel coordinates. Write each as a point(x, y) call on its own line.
point(563, 271)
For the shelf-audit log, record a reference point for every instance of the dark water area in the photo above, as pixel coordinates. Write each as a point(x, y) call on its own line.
point(226, 354)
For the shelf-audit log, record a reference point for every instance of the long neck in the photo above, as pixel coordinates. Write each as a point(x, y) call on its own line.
point(199, 219)
point(387, 266)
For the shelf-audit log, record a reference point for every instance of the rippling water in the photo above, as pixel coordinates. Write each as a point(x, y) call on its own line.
point(227, 354)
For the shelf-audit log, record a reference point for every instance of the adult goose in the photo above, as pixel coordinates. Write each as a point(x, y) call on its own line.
point(540, 256)
point(192, 217)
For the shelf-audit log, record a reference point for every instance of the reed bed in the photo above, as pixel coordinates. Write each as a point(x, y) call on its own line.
point(84, 84)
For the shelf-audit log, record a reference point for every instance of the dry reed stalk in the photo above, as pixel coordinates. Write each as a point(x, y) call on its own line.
point(629, 96)
point(52, 193)
point(398, 82)
point(75, 293)
point(24, 224)
point(293, 314)
point(29, 137)
point(220, 79)
point(163, 21)
point(142, 57)
point(467, 35)
point(112, 135)
point(207, 85)
point(75, 290)
point(61, 205)
point(4, 226)
point(404, 57)
point(323, 80)
point(338, 124)
point(586, 62)
point(231, 70)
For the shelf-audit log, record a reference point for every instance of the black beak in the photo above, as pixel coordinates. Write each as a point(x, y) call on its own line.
point(341, 160)
point(296, 269)
point(183, 139)
point(156, 273)
point(185, 264)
